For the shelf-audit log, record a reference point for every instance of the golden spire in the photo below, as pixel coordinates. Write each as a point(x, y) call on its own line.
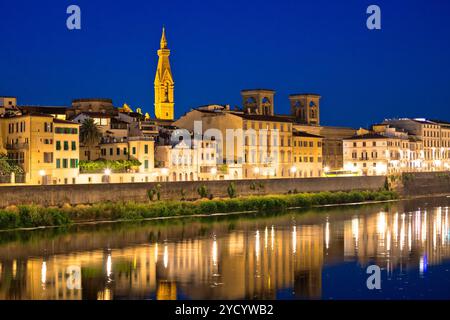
point(163, 43)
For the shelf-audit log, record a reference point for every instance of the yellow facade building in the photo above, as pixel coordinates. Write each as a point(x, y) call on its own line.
point(45, 147)
point(307, 155)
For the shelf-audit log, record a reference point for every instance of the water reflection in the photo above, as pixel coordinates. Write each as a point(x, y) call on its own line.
point(245, 258)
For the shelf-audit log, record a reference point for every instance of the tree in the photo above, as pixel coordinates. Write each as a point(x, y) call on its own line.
point(232, 190)
point(8, 166)
point(90, 134)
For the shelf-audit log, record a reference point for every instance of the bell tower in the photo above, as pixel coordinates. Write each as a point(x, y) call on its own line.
point(305, 108)
point(164, 84)
point(258, 101)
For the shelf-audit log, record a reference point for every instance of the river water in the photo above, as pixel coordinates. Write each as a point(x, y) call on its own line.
point(321, 253)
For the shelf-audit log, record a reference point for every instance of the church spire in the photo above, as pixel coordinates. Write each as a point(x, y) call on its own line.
point(164, 84)
point(163, 43)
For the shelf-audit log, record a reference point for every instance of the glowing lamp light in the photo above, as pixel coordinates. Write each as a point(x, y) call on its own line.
point(293, 169)
point(42, 173)
point(107, 172)
point(347, 167)
point(213, 171)
point(256, 170)
point(326, 169)
point(164, 171)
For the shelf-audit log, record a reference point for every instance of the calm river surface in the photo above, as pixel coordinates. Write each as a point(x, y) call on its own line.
point(314, 254)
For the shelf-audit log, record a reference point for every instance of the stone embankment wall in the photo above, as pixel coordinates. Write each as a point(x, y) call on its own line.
point(427, 183)
point(56, 195)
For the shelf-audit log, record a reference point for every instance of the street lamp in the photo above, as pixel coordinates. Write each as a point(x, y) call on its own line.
point(42, 175)
point(293, 170)
point(107, 172)
point(256, 171)
point(214, 171)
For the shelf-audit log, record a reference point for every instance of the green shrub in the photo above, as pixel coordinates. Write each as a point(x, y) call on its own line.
point(151, 194)
point(207, 206)
point(202, 191)
point(114, 165)
point(231, 190)
point(27, 216)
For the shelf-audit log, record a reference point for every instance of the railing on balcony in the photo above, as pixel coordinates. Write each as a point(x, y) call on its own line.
point(96, 171)
point(223, 169)
point(5, 178)
point(206, 169)
point(15, 146)
point(19, 178)
point(141, 138)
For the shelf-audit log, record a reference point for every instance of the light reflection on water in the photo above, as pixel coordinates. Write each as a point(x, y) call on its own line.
point(237, 258)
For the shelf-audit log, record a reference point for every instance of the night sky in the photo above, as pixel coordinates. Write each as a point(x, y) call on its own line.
point(221, 47)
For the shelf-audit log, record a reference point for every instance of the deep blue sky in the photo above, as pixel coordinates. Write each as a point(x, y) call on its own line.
point(221, 47)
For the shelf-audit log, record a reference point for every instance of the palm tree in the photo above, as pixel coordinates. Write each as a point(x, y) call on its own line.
point(90, 135)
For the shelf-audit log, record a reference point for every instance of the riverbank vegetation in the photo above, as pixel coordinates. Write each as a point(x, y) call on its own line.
point(99, 166)
point(30, 216)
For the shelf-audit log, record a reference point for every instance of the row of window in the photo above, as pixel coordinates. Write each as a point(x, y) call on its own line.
point(16, 127)
point(364, 155)
point(274, 141)
point(268, 126)
point(66, 130)
point(307, 144)
point(431, 144)
point(374, 155)
point(307, 159)
point(365, 144)
point(17, 156)
point(431, 134)
point(66, 163)
point(66, 145)
point(123, 151)
point(288, 173)
point(48, 126)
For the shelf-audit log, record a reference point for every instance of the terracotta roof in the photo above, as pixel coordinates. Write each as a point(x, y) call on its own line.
point(367, 136)
point(445, 123)
point(92, 99)
point(94, 114)
point(64, 121)
point(304, 94)
point(43, 109)
point(305, 134)
point(261, 117)
point(258, 89)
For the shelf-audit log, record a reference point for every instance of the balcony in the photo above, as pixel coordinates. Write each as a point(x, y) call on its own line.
point(141, 138)
point(206, 169)
point(17, 146)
